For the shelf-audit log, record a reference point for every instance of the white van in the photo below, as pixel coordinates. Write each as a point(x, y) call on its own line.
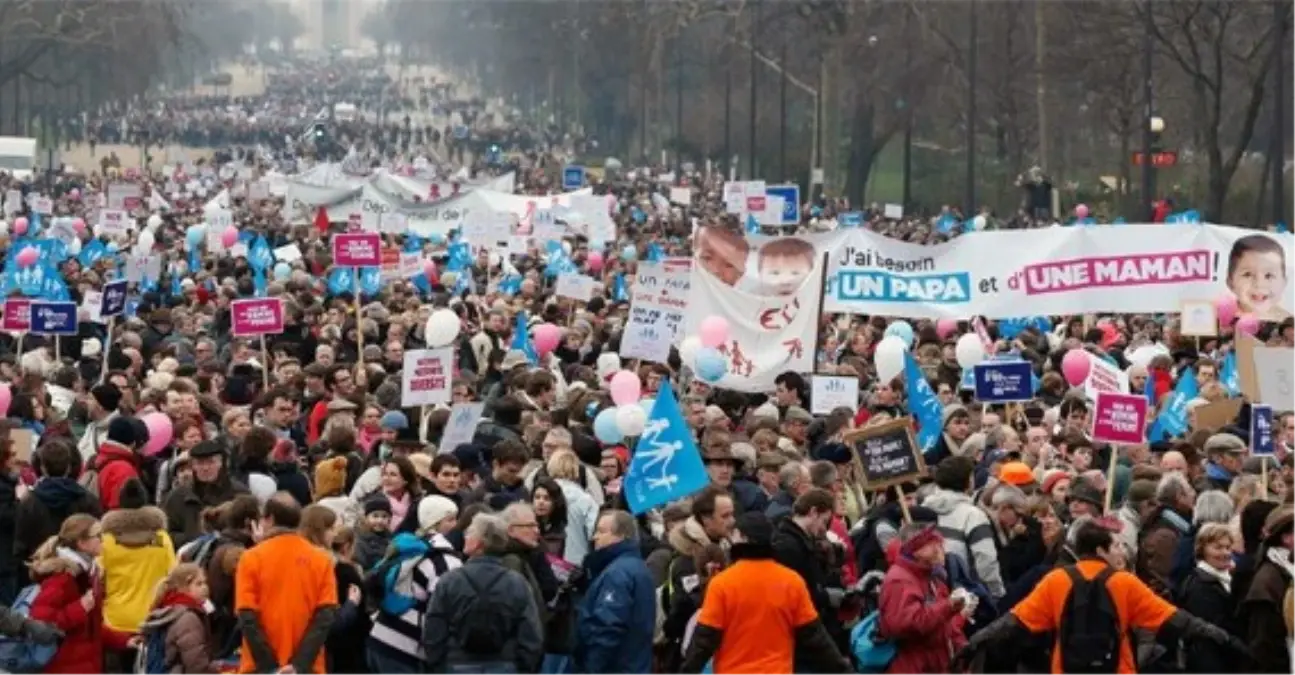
point(18, 156)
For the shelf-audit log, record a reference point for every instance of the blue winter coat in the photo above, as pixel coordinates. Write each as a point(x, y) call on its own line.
point(614, 622)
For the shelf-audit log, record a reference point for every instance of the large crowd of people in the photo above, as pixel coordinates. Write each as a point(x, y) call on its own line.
point(178, 499)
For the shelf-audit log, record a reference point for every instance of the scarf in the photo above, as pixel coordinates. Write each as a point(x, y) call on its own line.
point(399, 507)
point(84, 564)
point(1224, 578)
point(181, 599)
point(1281, 557)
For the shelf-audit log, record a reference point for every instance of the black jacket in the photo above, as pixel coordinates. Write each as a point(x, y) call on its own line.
point(1018, 554)
point(184, 506)
point(1202, 595)
point(41, 514)
point(794, 548)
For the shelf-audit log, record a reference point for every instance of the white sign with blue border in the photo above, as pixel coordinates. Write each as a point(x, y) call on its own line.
point(114, 299)
point(790, 202)
point(851, 219)
point(573, 177)
point(1261, 429)
point(53, 318)
point(1004, 382)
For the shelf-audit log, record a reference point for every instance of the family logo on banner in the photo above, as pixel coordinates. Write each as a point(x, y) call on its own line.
point(1063, 270)
point(1261, 429)
point(1120, 418)
point(357, 249)
point(1004, 381)
point(769, 290)
point(829, 392)
point(256, 316)
point(657, 306)
point(425, 377)
point(17, 314)
point(113, 302)
point(53, 318)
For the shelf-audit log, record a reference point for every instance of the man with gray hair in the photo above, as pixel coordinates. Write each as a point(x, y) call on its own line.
point(482, 617)
point(1162, 532)
point(794, 480)
point(616, 620)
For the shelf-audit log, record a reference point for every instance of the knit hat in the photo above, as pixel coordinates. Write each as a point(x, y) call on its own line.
point(1016, 473)
point(1051, 478)
point(330, 477)
point(393, 420)
point(433, 509)
point(755, 528)
point(377, 504)
point(1278, 523)
point(121, 431)
point(107, 395)
point(950, 411)
point(923, 538)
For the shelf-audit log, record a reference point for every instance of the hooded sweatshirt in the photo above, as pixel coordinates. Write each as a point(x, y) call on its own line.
point(39, 517)
point(968, 534)
point(137, 555)
point(188, 636)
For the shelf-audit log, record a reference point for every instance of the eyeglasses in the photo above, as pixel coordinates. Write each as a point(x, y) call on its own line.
point(527, 526)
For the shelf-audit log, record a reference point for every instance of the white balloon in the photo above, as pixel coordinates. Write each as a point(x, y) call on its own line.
point(4, 227)
point(1143, 355)
point(978, 223)
point(442, 327)
point(154, 222)
point(146, 240)
point(566, 247)
point(74, 248)
point(688, 350)
point(494, 258)
point(631, 419)
point(969, 350)
point(889, 358)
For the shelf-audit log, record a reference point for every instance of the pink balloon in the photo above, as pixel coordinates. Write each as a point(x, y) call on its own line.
point(429, 271)
point(595, 261)
point(1248, 324)
point(946, 327)
point(20, 225)
point(229, 237)
point(79, 225)
point(1075, 366)
point(28, 257)
point(159, 432)
point(625, 387)
point(547, 337)
point(1225, 306)
point(1081, 211)
point(74, 194)
point(6, 397)
point(713, 331)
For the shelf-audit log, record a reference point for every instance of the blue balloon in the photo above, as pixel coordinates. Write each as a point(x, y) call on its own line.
point(902, 330)
point(111, 247)
point(282, 270)
point(437, 239)
point(195, 235)
point(605, 427)
point(629, 253)
point(711, 365)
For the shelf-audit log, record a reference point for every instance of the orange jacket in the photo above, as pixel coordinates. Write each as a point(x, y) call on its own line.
point(284, 579)
point(1135, 605)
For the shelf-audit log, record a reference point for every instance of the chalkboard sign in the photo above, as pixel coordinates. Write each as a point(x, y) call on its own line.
point(887, 454)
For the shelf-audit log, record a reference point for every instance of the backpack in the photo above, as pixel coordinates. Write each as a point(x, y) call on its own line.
point(485, 626)
point(962, 574)
point(1089, 635)
point(17, 654)
point(872, 654)
point(201, 550)
point(391, 583)
point(90, 481)
point(151, 658)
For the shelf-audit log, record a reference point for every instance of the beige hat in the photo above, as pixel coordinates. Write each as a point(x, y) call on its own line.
point(434, 509)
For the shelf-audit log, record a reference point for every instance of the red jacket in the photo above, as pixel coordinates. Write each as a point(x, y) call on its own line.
point(62, 583)
point(116, 464)
point(915, 612)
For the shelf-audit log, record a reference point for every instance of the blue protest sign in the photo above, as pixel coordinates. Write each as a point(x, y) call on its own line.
point(666, 464)
point(114, 298)
point(53, 318)
point(573, 177)
point(1261, 429)
point(852, 219)
point(1004, 381)
point(790, 202)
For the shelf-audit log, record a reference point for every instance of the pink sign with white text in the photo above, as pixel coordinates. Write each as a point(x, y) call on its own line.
point(357, 249)
point(1120, 418)
point(257, 316)
point(17, 314)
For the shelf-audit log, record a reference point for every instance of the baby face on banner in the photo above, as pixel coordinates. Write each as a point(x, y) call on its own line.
point(784, 264)
point(1257, 276)
point(723, 253)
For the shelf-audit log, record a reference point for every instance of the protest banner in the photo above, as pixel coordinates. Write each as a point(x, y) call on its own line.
point(357, 249)
point(886, 454)
point(1198, 318)
point(829, 392)
point(1120, 418)
point(461, 426)
point(575, 286)
point(1004, 381)
point(124, 196)
point(1104, 376)
point(657, 305)
point(112, 223)
point(17, 314)
point(425, 377)
point(1267, 374)
point(256, 316)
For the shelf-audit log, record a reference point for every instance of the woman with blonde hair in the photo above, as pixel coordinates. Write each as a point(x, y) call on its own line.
point(563, 467)
point(1207, 593)
point(71, 596)
point(178, 624)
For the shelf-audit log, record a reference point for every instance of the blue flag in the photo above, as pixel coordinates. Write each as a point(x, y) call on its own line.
point(522, 340)
point(371, 280)
point(922, 404)
point(655, 253)
point(510, 285)
point(413, 243)
point(1172, 421)
point(1229, 376)
point(460, 257)
point(258, 283)
point(92, 252)
point(666, 465)
point(559, 261)
point(259, 255)
point(947, 223)
point(620, 290)
point(341, 280)
point(752, 225)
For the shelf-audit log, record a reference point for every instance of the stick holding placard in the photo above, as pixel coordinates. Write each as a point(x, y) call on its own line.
point(1110, 479)
point(107, 340)
point(265, 365)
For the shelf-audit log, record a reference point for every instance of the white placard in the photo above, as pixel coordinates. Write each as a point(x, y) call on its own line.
point(772, 214)
point(12, 201)
point(893, 211)
point(488, 230)
point(288, 253)
point(219, 219)
point(1274, 369)
point(575, 286)
point(834, 391)
point(461, 427)
point(43, 206)
point(658, 301)
point(91, 305)
point(258, 190)
point(1199, 318)
point(393, 223)
point(112, 223)
point(681, 196)
point(1104, 376)
point(425, 377)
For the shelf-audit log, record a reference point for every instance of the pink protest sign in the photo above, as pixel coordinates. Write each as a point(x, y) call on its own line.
point(17, 314)
point(257, 316)
point(1120, 418)
point(357, 249)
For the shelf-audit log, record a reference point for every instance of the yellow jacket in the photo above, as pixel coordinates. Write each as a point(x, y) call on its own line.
point(137, 556)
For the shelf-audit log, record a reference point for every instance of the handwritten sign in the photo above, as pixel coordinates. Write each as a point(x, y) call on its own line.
point(834, 391)
point(53, 318)
point(1120, 418)
point(887, 453)
point(658, 301)
point(1004, 381)
point(357, 249)
point(425, 377)
point(42, 205)
point(257, 316)
point(17, 314)
point(575, 286)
